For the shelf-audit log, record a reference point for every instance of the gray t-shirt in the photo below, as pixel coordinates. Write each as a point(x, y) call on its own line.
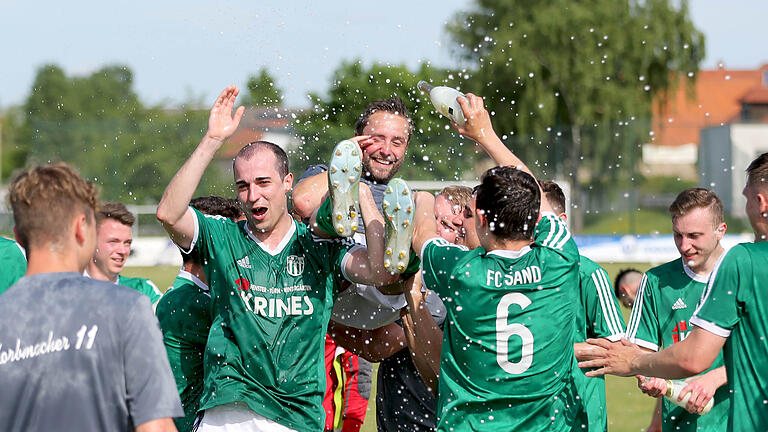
point(78, 354)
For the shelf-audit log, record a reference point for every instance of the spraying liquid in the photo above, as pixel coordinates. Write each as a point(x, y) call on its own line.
point(674, 388)
point(444, 100)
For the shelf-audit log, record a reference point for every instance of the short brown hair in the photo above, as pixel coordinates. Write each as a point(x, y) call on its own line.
point(44, 200)
point(116, 211)
point(457, 195)
point(249, 150)
point(394, 106)
point(757, 171)
point(694, 198)
point(554, 195)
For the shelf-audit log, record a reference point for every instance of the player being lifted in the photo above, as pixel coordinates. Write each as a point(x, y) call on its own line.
point(665, 302)
point(508, 344)
point(732, 314)
point(272, 284)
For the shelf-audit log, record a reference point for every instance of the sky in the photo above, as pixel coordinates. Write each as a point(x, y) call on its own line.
point(190, 50)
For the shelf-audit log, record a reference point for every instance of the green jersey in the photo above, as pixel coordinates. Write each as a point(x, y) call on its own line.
point(665, 301)
point(508, 335)
point(597, 317)
point(184, 313)
point(13, 261)
point(144, 286)
point(270, 311)
point(735, 306)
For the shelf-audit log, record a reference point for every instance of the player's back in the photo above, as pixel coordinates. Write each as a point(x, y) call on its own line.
point(508, 341)
point(70, 349)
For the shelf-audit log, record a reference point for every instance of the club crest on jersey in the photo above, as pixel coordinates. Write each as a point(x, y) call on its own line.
point(295, 265)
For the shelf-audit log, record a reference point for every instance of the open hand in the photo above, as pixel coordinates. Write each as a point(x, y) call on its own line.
point(616, 360)
point(221, 123)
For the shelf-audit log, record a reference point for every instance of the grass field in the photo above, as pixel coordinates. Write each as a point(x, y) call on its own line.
point(628, 409)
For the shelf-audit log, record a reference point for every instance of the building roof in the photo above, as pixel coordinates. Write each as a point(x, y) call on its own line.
point(259, 123)
point(757, 96)
point(717, 99)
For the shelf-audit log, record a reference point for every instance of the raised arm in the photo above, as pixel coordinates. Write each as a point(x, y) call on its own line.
point(424, 223)
point(479, 129)
point(172, 211)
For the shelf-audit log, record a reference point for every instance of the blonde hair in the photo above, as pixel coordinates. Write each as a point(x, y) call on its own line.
point(694, 198)
point(457, 195)
point(44, 200)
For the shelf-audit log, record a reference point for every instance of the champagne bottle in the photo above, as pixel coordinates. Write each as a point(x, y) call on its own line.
point(444, 100)
point(674, 387)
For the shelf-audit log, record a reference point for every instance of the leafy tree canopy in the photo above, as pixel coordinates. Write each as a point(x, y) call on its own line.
point(562, 69)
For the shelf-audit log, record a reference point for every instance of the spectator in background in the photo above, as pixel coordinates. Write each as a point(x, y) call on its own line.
point(184, 313)
point(76, 354)
point(114, 223)
point(626, 284)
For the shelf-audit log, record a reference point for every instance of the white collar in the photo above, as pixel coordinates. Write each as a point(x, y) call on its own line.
point(85, 273)
point(510, 253)
point(691, 274)
point(189, 276)
point(280, 245)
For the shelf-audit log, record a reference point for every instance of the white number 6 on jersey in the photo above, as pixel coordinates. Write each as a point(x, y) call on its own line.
point(505, 330)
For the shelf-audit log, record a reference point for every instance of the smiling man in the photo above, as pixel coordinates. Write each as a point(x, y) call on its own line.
point(665, 303)
point(272, 285)
point(731, 318)
point(113, 247)
point(383, 132)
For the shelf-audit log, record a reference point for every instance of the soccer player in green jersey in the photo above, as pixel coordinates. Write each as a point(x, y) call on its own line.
point(272, 284)
point(114, 223)
point(184, 313)
point(733, 314)
point(597, 317)
point(13, 261)
point(507, 352)
point(665, 303)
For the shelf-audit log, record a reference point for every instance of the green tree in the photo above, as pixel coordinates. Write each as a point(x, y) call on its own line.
point(97, 123)
point(572, 83)
point(13, 153)
point(435, 151)
point(262, 91)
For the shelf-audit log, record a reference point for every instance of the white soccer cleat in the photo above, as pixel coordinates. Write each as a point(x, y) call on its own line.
point(344, 173)
point(398, 230)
